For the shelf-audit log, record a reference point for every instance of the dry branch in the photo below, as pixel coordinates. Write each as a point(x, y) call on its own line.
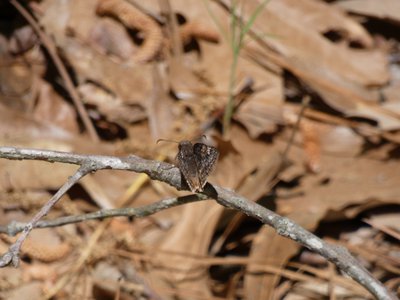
point(157, 170)
point(138, 212)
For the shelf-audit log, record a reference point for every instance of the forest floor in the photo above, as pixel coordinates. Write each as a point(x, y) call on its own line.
point(300, 97)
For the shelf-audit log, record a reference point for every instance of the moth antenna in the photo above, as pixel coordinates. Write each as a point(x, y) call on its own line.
point(168, 141)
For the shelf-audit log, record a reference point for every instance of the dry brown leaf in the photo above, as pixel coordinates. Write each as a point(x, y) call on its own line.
point(40, 271)
point(159, 106)
point(258, 183)
point(16, 125)
point(44, 245)
point(387, 219)
point(273, 250)
point(267, 247)
point(183, 81)
point(31, 290)
point(311, 145)
point(383, 9)
point(111, 106)
point(343, 182)
point(135, 19)
point(214, 63)
point(191, 235)
point(300, 40)
point(33, 175)
point(295, 38)
point(339, 140)
point(16, 84)
point(198, 29)
point(119, 79)
point(238, 159)
point(319, 16)
point(88, 63)
point(317, 290)
point(22, 40)
point(106, 280)
point(18, 129)
point(111, 38)
point(390, 93)
point(340, 74)
point(51, 108)
point(254, 186)
point(318, 137)
point(259, 116)
point(386, 223)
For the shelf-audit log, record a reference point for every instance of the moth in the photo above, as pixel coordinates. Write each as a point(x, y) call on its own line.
point(196, 161)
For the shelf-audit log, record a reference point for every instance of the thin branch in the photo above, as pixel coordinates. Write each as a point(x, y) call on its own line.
point(52, 50)
point(138, 212)
point(12, 256)
point(167, 173)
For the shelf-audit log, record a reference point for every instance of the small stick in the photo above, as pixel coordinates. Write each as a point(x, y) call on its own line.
point(137, 212)
point(12, 256)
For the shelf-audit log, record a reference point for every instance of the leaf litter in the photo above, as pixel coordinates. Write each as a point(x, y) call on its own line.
point(162, 69)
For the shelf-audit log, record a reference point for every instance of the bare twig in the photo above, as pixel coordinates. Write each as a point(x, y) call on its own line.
point(138, 212)
point(51, 48)
point(167, 173)
point(12, 256)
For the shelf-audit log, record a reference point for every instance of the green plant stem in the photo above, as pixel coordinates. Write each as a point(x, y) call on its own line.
point(237, 39)
point(229, 106)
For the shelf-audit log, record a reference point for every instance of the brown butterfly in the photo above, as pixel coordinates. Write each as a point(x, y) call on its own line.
point(196, 162)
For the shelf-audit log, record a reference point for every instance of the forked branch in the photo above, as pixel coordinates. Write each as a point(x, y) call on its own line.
point(157, 170)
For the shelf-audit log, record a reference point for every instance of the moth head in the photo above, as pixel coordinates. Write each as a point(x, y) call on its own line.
point(184, 144)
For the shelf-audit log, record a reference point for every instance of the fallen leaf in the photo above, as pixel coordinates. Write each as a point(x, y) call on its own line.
point(384, 9)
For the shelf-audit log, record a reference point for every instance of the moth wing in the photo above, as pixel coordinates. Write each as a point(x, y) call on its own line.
point(206, 158)
point(186, 163)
